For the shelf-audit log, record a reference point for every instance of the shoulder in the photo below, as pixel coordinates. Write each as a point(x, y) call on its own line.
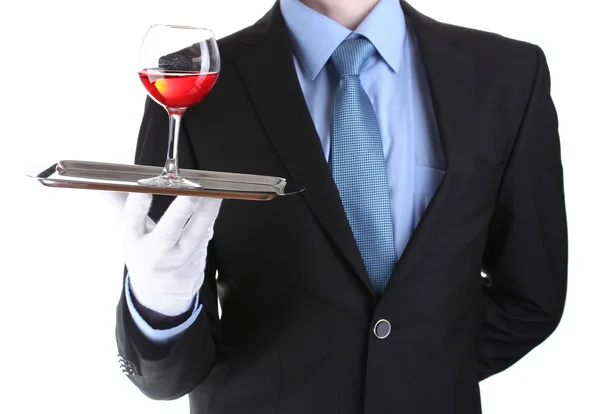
point(493, 47)
point(237, 44)
point(496, 55)
point(234, 45)
point(491, 55)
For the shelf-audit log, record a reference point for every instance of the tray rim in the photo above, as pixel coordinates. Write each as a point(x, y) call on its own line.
point(281, 180)
point(43, 174)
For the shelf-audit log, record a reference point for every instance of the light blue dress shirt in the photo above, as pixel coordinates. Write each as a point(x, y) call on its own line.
point(395, 81)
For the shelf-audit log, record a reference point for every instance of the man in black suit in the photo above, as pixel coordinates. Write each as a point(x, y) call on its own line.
point(305, 326)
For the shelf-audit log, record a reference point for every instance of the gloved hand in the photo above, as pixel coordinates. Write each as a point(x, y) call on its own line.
point(166, 260)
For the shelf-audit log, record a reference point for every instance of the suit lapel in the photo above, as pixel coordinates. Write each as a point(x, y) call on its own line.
point(268, 72)
point(452, 89)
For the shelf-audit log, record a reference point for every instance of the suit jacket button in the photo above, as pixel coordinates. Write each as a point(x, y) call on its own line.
point(486, 279)
point(382, 329)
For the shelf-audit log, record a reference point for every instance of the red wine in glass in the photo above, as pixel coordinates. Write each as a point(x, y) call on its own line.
point(177, 89)
point(178, 66)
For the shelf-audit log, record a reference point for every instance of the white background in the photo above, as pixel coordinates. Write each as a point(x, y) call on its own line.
point(69, 89)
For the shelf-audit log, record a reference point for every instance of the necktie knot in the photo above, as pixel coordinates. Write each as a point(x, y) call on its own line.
point(351, 55)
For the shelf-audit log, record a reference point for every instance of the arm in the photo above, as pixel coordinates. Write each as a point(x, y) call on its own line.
point(526, 251)
point(169, 370)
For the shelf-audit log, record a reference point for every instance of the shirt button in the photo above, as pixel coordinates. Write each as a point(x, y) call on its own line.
point(382, 329)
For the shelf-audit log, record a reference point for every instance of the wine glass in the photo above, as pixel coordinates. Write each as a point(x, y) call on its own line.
point(178, 65)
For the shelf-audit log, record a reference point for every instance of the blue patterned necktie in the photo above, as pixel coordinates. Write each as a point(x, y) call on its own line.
point(358, 164)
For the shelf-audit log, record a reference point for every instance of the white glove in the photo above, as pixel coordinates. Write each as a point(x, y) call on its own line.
point(166, 260)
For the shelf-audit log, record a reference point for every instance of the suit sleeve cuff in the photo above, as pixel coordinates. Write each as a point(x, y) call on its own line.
point(159, 336)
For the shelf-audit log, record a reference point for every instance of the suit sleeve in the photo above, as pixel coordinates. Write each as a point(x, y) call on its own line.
point(158, 328)
point(526, 251)
point(170, 370)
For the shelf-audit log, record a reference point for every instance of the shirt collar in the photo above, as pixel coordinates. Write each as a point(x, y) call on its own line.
point(315, 36)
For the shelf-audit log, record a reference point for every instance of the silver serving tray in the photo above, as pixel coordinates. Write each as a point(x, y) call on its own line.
point(91, 175)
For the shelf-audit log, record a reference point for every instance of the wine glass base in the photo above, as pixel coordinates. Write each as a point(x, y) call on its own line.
point(170, 182)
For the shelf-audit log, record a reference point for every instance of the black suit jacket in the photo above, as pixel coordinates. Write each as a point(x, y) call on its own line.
point(296, 333)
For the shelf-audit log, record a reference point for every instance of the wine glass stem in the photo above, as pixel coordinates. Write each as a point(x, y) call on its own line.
point(171, 170)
